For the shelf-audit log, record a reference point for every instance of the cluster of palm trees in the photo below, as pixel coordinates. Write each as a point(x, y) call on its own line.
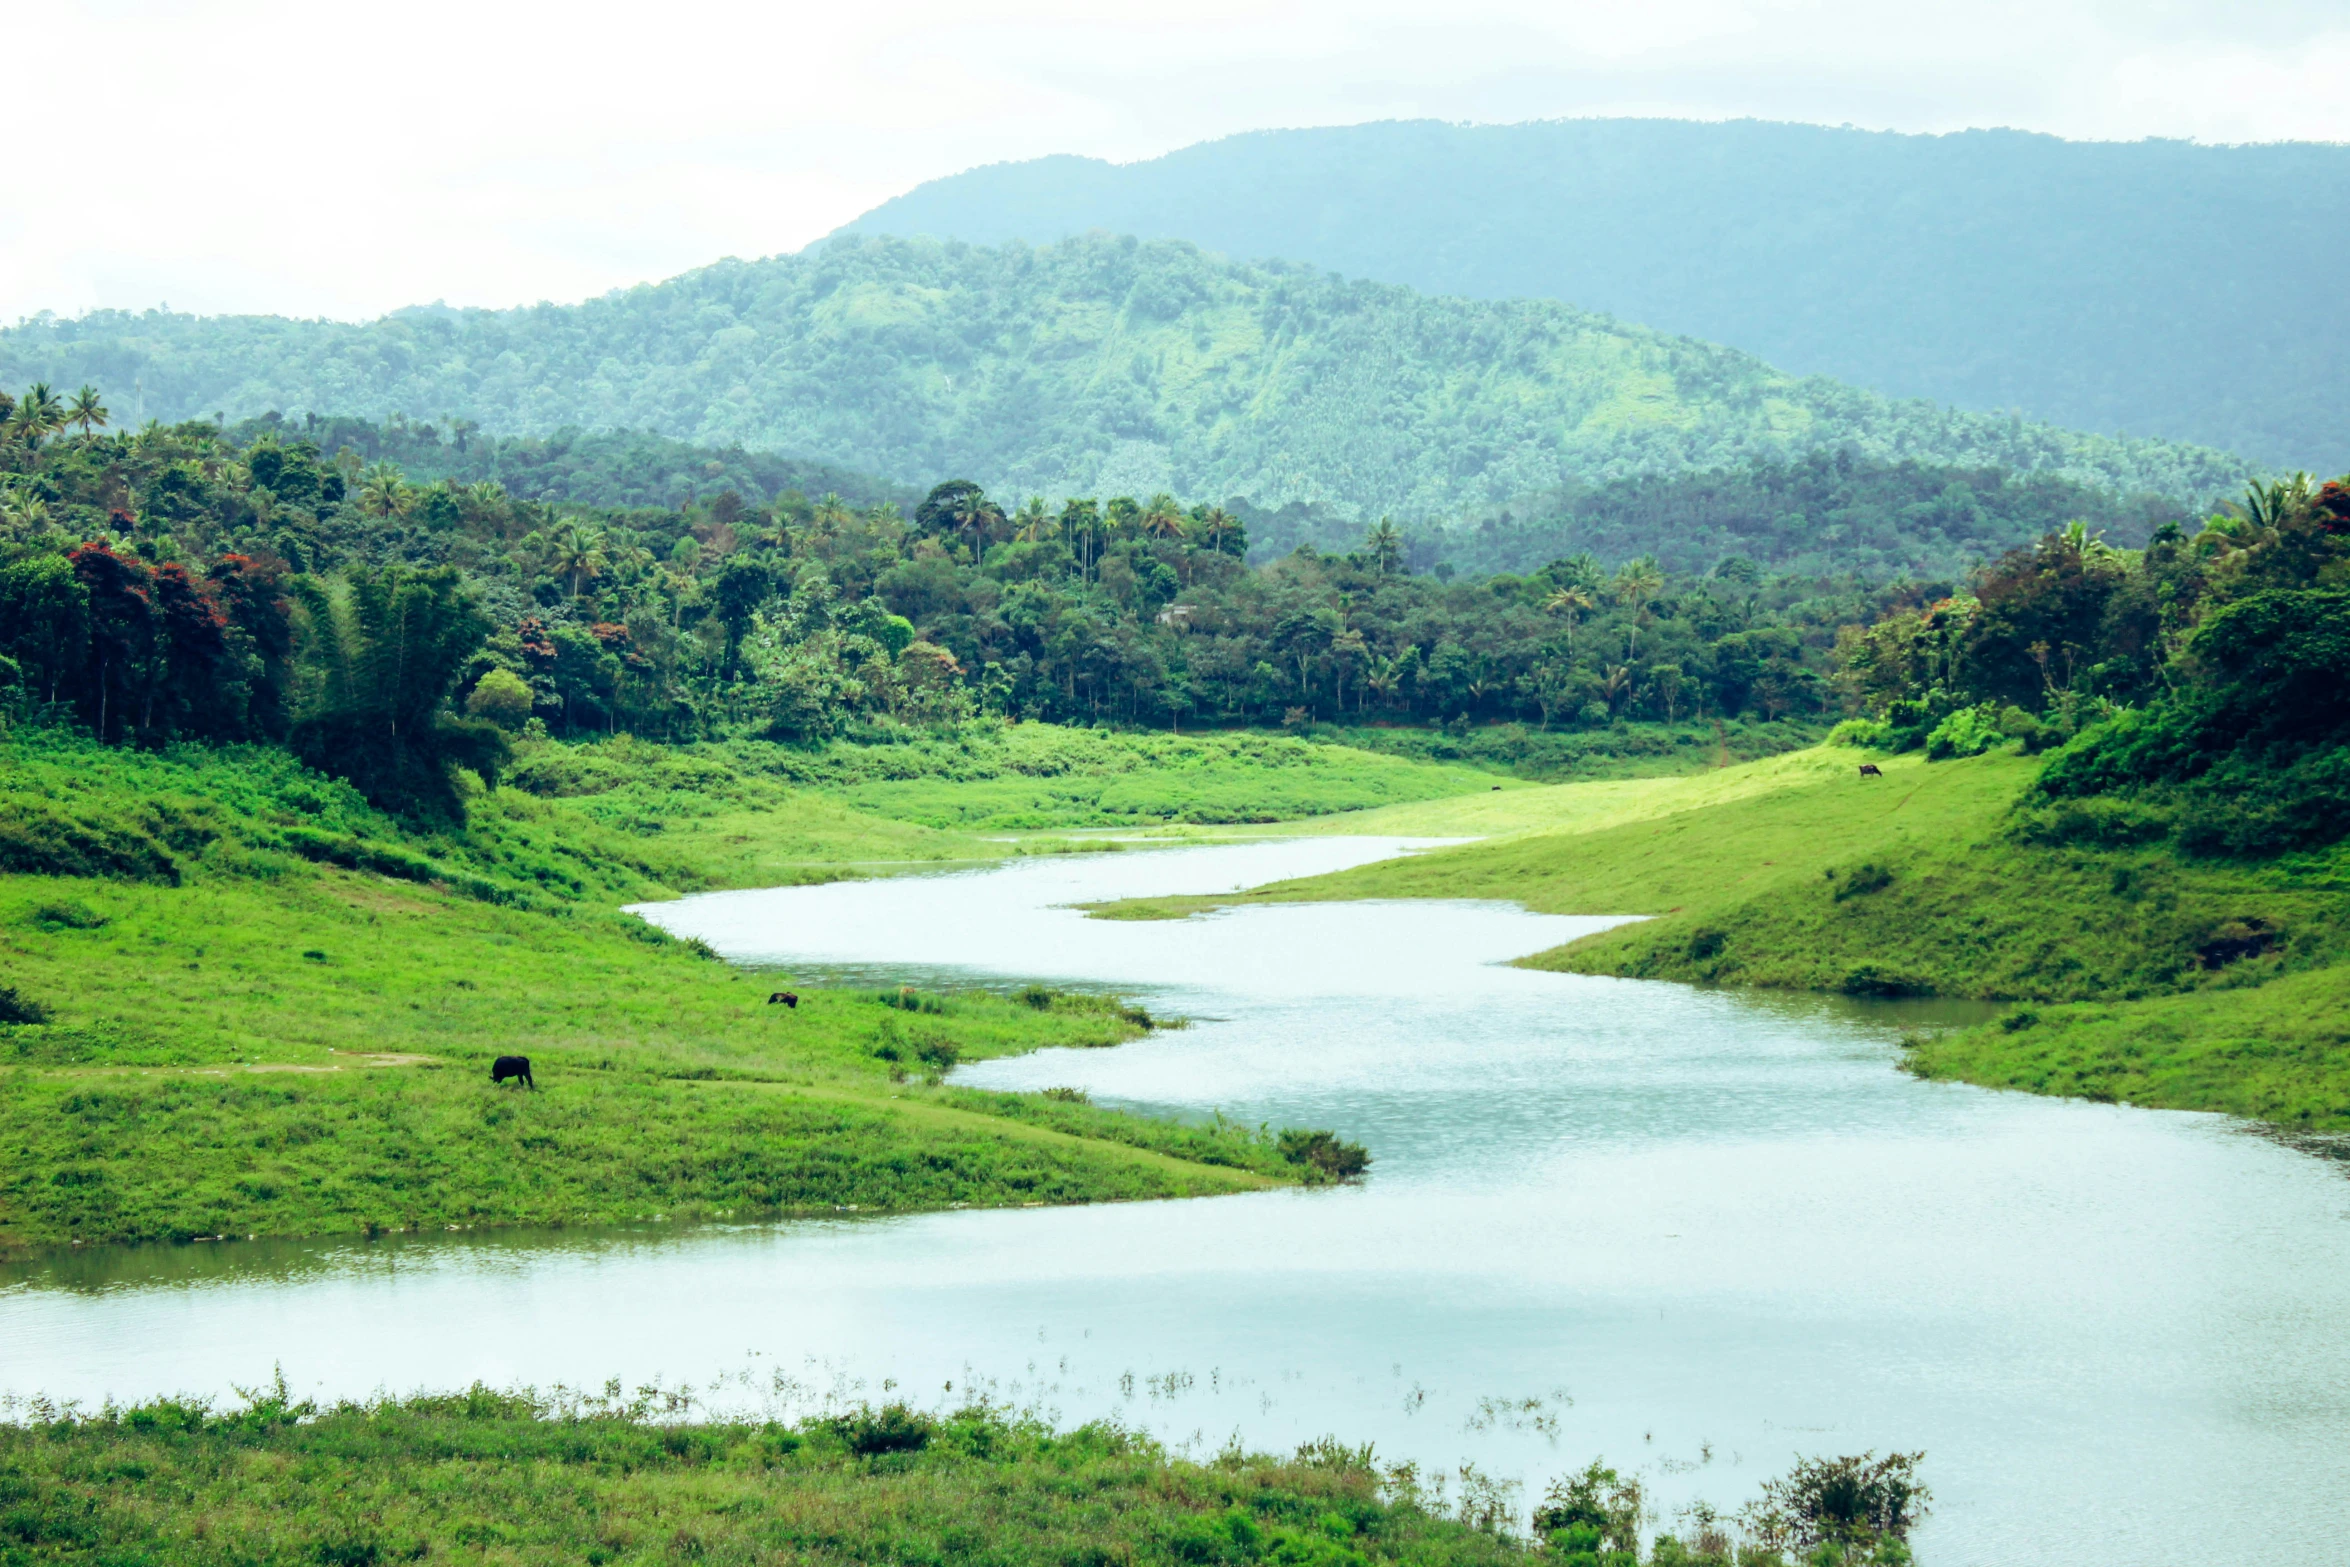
point(961, 511)
point(40, 414)
point(29, 424)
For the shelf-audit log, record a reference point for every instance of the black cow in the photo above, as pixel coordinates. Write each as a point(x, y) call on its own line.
point(787, 997)
point(1871, 770)
point(516, 1067)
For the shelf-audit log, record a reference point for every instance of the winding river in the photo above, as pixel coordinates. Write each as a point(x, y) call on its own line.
point(1697, 1232)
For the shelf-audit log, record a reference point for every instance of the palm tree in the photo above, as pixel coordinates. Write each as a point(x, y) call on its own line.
point(1218, 527)
point(2265, 505)
point(1163, 518)
point(1033, 522)
point(39, 416)
point(86, 410)
point(1638, 581)
point(384, 492)
point(24, 513)
point(1386, 675)
point(576, 554)
point(1385, 544)
point(1573, 602)
point(974, 519)
point(1618, 682)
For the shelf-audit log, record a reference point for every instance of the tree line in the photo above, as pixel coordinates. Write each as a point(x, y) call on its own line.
point(190, 581)
point(2199, 687)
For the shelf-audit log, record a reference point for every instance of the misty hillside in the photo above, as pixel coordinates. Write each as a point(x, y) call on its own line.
point(1096, 366)
point(2153, 288)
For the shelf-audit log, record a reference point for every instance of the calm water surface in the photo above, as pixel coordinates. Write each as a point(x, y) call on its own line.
point(1697, 1232)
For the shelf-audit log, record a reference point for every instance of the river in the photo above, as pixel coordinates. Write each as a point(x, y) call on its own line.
point(1698, 1232)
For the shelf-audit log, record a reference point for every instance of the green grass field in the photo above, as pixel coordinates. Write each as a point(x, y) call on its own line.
point(522, 1478)
point(241, 1036)
point(511, 1478)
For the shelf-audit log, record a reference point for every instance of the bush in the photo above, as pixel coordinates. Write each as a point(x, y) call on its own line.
point(35, 841)
point(1842, 1502)
point(894, 1428)
point(16, 1007)
point(1874, 981)
point(1968, 732)
point(2094, 823)
point(1872, 734)
point(1324, 1154)
point(1861, 881)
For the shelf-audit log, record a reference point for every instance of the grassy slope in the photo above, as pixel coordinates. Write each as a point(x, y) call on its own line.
point(511, 1479)
point(1744, 868)
point(279, 1046)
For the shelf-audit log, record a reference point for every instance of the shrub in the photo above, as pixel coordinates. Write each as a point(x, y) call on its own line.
point(1864, 879)
point(1841, 1501)
point(2092, 823)
point(66, 916)
point(1875, 981)
point(16, 1007)
point(35, 841)
point(1870, 733)
point(1968, 732)
point(1324, 1154)
point(893, 1428)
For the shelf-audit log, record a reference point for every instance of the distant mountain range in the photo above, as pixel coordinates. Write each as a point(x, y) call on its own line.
point(2155, 288)
point(1097, 365)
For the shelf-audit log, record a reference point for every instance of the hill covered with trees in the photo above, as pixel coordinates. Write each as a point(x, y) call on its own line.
point(1094, 366)
point(2104, 286)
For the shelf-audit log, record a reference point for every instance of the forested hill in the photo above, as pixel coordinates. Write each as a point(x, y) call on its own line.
point(1097, 365)
point(2156, 287)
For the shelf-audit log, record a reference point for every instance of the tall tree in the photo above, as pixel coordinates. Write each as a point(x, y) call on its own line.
point(381, 658)
point(86, 410)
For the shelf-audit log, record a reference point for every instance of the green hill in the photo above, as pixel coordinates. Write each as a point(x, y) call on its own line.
point(2101, 285)
point(1097, 365)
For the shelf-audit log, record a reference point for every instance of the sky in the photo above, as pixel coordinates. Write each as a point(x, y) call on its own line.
point(344, 160)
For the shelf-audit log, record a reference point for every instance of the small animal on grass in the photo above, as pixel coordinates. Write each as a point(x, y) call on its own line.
point(789, 998)
point(1871, 770)
point(516, 1067)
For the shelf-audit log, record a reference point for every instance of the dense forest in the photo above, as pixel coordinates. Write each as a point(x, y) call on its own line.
point(1823, 513)
point(2203, 682)
point(174, 582)
point(2098, 285)
point(1097, 366)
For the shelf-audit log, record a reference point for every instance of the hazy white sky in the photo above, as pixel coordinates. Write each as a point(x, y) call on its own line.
point(345, 159)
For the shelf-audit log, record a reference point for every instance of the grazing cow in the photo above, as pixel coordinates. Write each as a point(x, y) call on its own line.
point(1871, 770)
point(516, 1067)
point(787, 997)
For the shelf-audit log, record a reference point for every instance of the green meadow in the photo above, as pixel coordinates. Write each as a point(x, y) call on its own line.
point(243, 1002)
point(526, 1478)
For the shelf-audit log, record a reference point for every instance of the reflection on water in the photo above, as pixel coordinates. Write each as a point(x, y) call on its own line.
point(1709, 1230)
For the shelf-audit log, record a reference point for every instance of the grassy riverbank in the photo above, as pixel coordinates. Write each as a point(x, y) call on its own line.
point(2144, 974)
point(260, 1007)
point(518, 1478)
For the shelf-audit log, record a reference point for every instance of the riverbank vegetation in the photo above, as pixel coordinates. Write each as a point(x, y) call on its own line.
point(2107, 786)
point(525, 1478)
point(243, 1001)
